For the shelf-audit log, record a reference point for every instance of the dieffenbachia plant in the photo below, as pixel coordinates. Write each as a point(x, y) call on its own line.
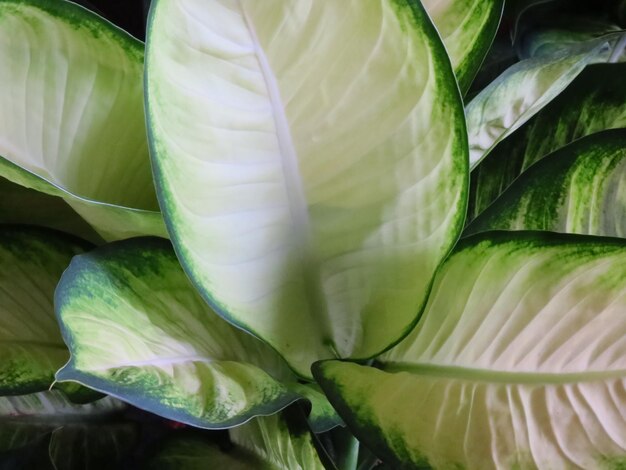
point(72, 120)
point(137, 330)
point(313, 152)
point(31, 348)
point(21, 205)
point(529, 85)
point(517, 362)
point(594, 101)
point(467, 28)
point(580, 188)
point(311, 158)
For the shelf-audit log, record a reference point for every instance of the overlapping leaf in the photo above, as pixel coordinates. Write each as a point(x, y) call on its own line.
point(72, 122)
point(137, 330)
point(518, 361)
point(578, 189)
point(526, 87)
point(313, 152)
point(595, 101)
point(21, 205)
point(467, 28)
point(31, 348)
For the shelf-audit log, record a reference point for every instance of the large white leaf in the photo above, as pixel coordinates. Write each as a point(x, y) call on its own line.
point(72, 122)
point(518, 362)
point(311, 162)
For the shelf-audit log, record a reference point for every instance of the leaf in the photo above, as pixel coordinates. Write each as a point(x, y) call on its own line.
point(500, 57)
point(44, 430)
point(269, 443)
point(467, 29)
point(31, 348)
point(524, 89)
point(283, 440)
point(594, 101)
point(323, 416)
point(173, 356)
point(327, 176)
point(20, 205)
point(198, 453)
point(566, 33)
point(518, 361)
point(74, 121)
point(516, 9)
point(577, 189)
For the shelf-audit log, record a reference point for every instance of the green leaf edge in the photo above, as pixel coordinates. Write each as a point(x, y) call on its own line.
point(486, 37)
point(75, 13)
point(130, 394)
point(162, 196)
point(561, 160)
point(372, 436)
point(44, 234)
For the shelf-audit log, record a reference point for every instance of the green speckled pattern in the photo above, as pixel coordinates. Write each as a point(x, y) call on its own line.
point(580, 188)
point(518, 362)
point(594, 101)
point(137, 330)
point(31, 348)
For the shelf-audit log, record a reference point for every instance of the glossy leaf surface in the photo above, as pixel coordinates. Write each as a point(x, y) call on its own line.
point(580, 188)
point(594, 101)
point(313, 152)
point(518, 361)
point(73, 123)
point(138, 330)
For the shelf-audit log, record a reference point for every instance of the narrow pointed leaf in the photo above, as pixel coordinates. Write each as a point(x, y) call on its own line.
point(518, 361)
point(594, 101)
point(524, 89)
point(73, 124)
point(467, 29)
point(577, 189)
point(328, 176)
point(31, 348)
point(173, 355)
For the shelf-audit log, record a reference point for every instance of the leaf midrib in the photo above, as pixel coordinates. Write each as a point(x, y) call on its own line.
point(500, 376)
point(298, 207)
